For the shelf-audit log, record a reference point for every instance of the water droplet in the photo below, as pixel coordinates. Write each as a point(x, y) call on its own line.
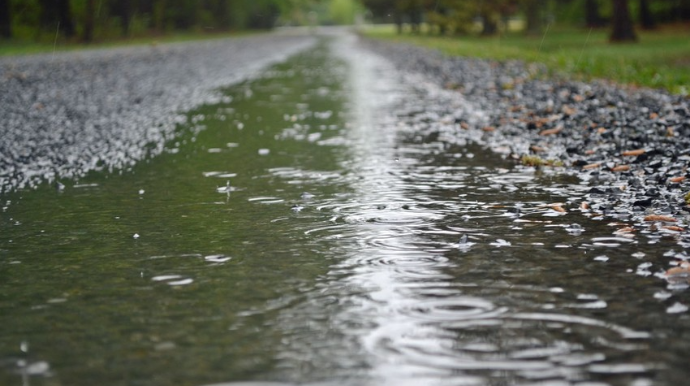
point(36, 368)
point(142, 191)
point(217, 258)
point(181, 282)
point(264, 151)
point(136, 236)
point(677, 308)
point(501, 243)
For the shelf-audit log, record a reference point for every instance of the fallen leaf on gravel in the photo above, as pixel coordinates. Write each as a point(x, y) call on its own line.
point(557, 208)
point(465, 125)
point(631, 153)
point(657, 217)
point(621, 168)
point(601, 130)
point(536, 149)
point(567, 110)
point(674, 228)
point(653, 115)
point(591, 166)
point(488, 128)
point(624, 231)
point(677, 179)
point(590, 152)
point(553, 131)
point(682, 270)
point(670, 132)
point(584, 205)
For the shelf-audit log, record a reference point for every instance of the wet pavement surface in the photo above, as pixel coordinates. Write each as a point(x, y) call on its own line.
point(337, 221)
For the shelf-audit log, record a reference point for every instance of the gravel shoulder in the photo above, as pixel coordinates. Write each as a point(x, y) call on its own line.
point(630, 146)
point(64, 115)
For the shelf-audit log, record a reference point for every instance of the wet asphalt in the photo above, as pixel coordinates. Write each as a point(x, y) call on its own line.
point(64, 115)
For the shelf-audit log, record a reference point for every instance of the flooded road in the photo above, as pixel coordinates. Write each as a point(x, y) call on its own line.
point(327, 224)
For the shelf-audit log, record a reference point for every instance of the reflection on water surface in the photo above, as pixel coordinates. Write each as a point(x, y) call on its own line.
point(332, 224)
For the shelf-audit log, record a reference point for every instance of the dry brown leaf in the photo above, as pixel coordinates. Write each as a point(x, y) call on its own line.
point(678, 271)
point(658, 217)
point(567, 110)
point(625, 230)
point(601, 130)
point(591, 166)
point(589, 152)
point(584, 205)
point(621, 168)
point(653, 115)
point(536, 149)
point(677, 179)
point(465, 125)
point(674, 228)
point(631, 153)
point(578, 98)
point(488, 128)
point(553, 131)
point(558, 208)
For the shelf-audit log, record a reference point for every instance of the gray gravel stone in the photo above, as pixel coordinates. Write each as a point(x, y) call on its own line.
point(588, 127)
point(64, 115)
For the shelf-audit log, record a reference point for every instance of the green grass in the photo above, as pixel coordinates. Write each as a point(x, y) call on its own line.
point(661, 59)
point(26, 47)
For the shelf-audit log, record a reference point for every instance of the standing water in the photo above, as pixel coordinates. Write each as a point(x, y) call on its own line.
point(328, 225)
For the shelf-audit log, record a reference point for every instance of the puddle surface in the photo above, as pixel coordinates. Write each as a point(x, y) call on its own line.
point(328, 225)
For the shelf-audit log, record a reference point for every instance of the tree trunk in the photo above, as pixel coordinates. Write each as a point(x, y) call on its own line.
point(533, 18)
point(398, 21)
point(65, 17)
point(646, 18)
point(222, 19)
point(5, 19)
point(592, 17)
point(89, 21)
point(489, 25)
point(623, 29)
point(159, 8)
point(124, 10)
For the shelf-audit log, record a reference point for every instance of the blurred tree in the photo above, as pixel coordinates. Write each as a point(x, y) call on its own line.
point(5, 19)
point(492, 12)
point(159, 8)
point(646, 17)
point(532, 10)
point(623, 29)
point(89, 21)
point(122, 10)
point(57, 15)
point(593, 18)
point(342, 11)
point(451, 16)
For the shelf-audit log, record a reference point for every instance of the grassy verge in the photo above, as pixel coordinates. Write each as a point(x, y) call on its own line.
point(21, 47)
point(661, 59)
